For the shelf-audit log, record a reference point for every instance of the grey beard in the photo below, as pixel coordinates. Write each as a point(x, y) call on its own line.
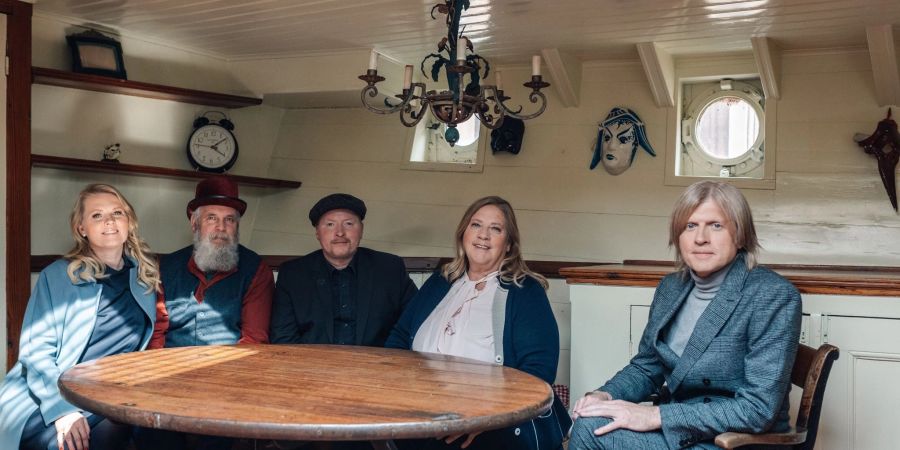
point(211, 258)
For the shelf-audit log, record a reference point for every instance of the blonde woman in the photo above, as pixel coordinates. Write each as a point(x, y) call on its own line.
point(99, 300)
point(487, 305)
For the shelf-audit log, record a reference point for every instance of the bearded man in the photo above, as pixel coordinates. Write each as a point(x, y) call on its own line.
point(215, 291)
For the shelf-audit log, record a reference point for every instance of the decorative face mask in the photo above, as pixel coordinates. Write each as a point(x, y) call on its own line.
point(618, 139)
point(884, 144)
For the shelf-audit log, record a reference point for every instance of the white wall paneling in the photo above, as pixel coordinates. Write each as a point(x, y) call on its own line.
point(608, 321)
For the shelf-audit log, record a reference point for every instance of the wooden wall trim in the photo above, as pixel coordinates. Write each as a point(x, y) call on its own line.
point(809, 279)
point(18, 172)
point(549, 269)
point(817, 279)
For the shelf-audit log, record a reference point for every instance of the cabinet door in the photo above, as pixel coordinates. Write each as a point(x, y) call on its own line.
point(862, 395)
point(639, 317)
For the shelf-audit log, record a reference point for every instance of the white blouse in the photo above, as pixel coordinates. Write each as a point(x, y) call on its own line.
point(462, 323)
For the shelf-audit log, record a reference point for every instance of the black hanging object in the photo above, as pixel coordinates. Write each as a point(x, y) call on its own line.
point(508, 138)
point(884, 145)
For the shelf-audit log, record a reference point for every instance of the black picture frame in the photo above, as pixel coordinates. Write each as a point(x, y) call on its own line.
point(96, 54)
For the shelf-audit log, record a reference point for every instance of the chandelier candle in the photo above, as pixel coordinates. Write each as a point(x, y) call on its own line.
point(373, 60)
point(407, 77)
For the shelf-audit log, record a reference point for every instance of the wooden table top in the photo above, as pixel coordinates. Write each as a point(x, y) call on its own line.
point(305, 392)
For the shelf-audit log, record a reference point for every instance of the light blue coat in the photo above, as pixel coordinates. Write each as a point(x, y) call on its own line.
point(58, 323)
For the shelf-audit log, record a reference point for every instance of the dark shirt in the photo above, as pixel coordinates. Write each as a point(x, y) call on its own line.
point(120, 321)
point(344, 301)
point(305, 304)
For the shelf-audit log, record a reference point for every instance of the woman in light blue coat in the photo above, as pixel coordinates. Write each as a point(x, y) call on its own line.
point(99, 300)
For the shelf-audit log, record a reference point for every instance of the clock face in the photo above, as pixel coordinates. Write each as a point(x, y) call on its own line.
point(212, 148)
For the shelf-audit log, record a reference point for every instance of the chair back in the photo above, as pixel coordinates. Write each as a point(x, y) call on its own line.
point(810, 372)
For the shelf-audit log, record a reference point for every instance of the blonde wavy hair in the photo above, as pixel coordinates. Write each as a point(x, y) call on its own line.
point(512, 268)
point(84, 264)
point(730, 200)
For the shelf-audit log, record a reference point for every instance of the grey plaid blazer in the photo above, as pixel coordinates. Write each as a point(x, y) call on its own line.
point(734, 374)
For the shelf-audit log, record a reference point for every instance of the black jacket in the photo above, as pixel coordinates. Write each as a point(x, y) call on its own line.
point(302, 311)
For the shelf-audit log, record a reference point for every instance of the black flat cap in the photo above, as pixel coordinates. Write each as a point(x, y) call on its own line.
point(337, 201)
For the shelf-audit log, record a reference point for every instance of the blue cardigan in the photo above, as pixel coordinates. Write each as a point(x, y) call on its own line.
point(56, 328)
point(530, 333)
point(530, 344)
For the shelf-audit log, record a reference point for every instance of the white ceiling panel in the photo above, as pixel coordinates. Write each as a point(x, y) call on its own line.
point(506, 31)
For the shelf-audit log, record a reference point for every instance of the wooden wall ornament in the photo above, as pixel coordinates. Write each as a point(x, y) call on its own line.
point(884, 143)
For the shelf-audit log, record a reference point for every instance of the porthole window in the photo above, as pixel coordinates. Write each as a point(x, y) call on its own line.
point(723, 130)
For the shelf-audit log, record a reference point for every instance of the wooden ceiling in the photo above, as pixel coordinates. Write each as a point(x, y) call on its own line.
point(506, 31)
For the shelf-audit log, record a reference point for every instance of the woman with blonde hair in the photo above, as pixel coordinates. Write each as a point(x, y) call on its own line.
point(487, 305)
point(98, 300)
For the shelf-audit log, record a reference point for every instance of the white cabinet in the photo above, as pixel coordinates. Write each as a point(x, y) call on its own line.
point(863, 390)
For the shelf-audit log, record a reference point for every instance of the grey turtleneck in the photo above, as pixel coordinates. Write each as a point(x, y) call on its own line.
point(682, 327)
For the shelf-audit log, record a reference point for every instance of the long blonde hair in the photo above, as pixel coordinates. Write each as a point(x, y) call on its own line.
point(512, 268)
point(84, 264)
point(730, 200)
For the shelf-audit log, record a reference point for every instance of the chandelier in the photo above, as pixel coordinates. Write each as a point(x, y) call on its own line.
point(465, 71)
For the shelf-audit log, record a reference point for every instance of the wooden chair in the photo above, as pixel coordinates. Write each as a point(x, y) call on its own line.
point(811, 369)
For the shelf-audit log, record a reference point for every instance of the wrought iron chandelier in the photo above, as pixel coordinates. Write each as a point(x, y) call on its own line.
point(463, 99)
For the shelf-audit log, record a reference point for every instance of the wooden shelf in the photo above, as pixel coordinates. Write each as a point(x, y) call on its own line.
point(53, 77)
point(120, 168)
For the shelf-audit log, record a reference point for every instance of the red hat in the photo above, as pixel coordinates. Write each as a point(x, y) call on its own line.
point(217, 190)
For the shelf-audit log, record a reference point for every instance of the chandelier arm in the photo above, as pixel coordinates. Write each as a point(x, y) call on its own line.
point(372, 91)
point(533, 97)
point(483, 108)
point(408, 116)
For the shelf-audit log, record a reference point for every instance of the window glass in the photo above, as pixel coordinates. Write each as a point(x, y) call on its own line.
point(468, 131)
point(430, 145)
point(727, 127)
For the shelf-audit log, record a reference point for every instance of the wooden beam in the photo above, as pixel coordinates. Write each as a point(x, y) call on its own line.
point(18, 174)
point(660, 69)
point(768, 63)
point(883, 56)
point(565, 75)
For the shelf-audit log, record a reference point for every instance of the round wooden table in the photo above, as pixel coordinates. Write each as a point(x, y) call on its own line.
point(305, 392)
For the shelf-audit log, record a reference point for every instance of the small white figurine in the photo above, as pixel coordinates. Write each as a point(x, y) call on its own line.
point(111, 153)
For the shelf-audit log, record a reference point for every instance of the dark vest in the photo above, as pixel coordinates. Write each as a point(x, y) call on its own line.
point(217, 320)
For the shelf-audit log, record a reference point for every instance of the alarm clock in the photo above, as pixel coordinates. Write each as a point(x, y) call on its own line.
point(212, 146)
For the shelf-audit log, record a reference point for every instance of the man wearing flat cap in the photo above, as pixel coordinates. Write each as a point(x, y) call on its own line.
point(215, 291)
point(341, 293)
